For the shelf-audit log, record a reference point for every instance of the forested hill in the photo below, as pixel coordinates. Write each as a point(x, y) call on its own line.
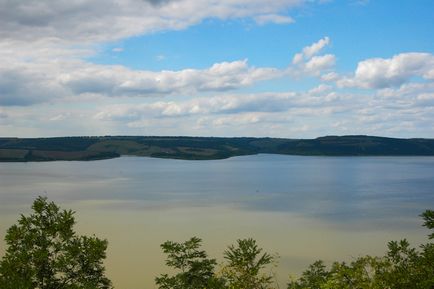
point(204, 148)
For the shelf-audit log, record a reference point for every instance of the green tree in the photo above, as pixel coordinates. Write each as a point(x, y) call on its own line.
point(313, 277)
point(425, 263)
point(363, 273)
point(44, 252)
point(402, 267)
point(403, 261)
point(245, 265)
point(428, 217)
point(196, 269)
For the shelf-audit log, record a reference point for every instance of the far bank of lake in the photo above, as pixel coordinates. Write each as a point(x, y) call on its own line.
point(304, 208)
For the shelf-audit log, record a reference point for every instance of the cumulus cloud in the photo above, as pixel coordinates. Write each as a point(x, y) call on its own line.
point(406, 90)
point(320, 89)
point(380, 73)
point(222, 104)
point(28, 81)
point(320, 63)
point(44, 44)
point(426, 99)
point(309, 62)
point(408, 96)
point(22, 86)
point(51, 32)
point(321, 108)
point(121, 81)
point(329, 77)
point(108, 20)
point(245, 118)
point(266, 114)
point(309, 51)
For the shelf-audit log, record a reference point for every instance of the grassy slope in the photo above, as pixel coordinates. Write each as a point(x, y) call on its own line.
point(199, 148)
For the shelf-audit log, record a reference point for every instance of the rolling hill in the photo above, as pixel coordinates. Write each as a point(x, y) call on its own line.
point(204, 148)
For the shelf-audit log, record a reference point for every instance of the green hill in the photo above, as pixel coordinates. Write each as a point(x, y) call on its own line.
point(204, 148)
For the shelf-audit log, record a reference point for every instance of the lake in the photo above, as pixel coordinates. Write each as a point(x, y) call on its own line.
point(304, 208)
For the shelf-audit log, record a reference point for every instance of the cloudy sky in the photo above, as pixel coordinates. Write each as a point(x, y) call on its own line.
point(282, 68)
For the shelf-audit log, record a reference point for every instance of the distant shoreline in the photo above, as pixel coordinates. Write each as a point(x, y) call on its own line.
point(204, 148)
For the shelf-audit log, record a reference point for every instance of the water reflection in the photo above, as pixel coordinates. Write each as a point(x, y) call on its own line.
point(302, 207)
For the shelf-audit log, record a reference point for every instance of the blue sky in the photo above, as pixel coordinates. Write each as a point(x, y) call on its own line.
point(358, 31)
point(287, 68)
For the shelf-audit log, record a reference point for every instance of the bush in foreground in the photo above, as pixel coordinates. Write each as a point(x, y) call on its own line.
point(403, 267)
point(243, 269)
point(44, 252)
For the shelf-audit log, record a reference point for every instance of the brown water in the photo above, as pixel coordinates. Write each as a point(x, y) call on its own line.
point(304, 208)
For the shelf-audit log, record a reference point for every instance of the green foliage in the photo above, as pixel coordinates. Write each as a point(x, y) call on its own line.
point(403, 264)
point(361, 273)
point(428, 216)
point(312, 277)
point(402, 267)
point(425, 265)
point(245, 262)
point(196, 269)
point(45, 253)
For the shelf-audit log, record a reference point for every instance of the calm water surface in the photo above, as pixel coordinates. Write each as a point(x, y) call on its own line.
point(304, 208)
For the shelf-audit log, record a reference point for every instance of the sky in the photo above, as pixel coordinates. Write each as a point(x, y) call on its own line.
point(281, 68)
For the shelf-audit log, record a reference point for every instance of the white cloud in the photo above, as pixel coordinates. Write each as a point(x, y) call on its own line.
point(331, 76)
point(239, 119)
point(298, 58)
point(309, 51)
point(429, 74)
point(320, 63)
point(61, 117)
point(409, 95)
point(317, 111)
point(309, 62)
point(24, 84)
point(426, 99)
point(121, 81)
point(66, 76)
point(392, 72)
point(406, 90)
point(107, 20)
point(315, 48)
point(273, 18)
point(118, 49)
point(320, 89)
point(222, 104)
point(43, 44)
